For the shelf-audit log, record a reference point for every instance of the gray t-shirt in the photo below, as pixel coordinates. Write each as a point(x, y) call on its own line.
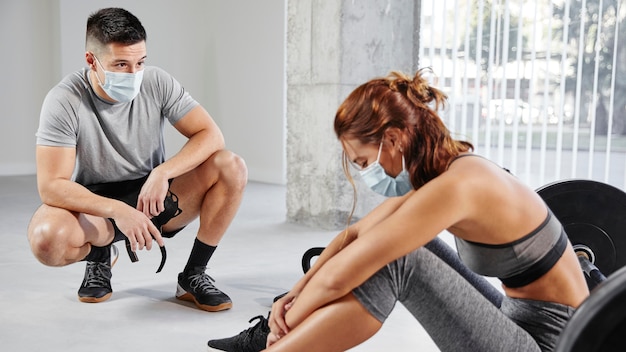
point(121, 141)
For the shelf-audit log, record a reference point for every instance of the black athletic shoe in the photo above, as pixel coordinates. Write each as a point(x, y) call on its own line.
point(196, 286)
point(252, 339)
point(96, 286)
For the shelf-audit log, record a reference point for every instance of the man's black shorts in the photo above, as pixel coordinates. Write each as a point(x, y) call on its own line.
point(128, 192)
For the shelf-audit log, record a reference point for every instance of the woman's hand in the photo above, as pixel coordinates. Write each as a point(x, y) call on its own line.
point(271, 339)
point(278, 325)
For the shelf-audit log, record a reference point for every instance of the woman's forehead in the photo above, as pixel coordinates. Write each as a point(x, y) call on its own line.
point(353, 148)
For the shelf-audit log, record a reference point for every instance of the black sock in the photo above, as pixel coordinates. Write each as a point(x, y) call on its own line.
point(99, 254)
point(200, 255)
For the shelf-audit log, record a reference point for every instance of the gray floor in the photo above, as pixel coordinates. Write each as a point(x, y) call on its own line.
point(258, 259)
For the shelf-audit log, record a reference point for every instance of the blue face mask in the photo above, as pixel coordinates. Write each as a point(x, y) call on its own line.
point(376, 178)
point(120, 86)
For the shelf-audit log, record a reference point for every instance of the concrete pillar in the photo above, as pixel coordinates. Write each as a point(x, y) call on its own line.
point(332, 47)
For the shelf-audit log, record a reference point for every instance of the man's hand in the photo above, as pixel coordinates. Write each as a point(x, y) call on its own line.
point(138, 228)
point(152, 196)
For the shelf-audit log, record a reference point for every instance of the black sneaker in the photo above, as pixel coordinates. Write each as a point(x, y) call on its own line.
point(96, 286)
point(196, 286)
point(253, 339)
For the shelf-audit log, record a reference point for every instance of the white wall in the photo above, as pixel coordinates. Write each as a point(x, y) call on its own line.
point(29, 55)
point(228, 54)
point(247, 82)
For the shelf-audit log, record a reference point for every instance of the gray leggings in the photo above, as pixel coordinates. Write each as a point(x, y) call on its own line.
point(456, 315)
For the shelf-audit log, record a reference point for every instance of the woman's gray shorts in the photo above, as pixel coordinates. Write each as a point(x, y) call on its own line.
point(543, 320)
point(455, 314)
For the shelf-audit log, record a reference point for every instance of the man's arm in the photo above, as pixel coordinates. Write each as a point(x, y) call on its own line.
point(204, 139)
point(54, 170)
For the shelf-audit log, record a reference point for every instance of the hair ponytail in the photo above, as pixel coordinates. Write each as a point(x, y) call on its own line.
point(417, 89)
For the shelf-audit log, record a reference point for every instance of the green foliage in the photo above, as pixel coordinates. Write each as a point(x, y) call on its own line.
point(592, 26)
point(497, 25)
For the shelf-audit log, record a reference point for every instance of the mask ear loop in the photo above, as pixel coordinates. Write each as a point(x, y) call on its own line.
point(380, 149)
point(103, 70)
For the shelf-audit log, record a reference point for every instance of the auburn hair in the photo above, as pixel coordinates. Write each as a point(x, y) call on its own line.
point(411, 105)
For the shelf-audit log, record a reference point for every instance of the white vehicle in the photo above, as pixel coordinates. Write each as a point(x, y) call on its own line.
point(513, 109)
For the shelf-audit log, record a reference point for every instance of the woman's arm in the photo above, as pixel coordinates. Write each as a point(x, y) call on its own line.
point(341, 241)
point(351, 233)
point(415, 222)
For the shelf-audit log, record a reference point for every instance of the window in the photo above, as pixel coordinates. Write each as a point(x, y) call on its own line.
point(538, 86)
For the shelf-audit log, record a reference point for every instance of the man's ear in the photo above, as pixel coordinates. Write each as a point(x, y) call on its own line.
point(90, 59)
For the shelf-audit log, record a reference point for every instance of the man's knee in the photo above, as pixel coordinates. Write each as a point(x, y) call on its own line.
point(46, 244)
point(233, 169)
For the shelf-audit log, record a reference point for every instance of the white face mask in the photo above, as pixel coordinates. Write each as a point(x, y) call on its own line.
point(120, 86)
point(376, 178)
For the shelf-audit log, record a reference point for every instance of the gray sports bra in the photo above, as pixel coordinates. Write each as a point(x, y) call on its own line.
point(520, 262)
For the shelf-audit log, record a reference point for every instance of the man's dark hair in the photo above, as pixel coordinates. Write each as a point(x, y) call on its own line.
point(113, 25)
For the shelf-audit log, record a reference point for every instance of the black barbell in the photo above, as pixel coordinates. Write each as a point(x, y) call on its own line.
point(593, 215)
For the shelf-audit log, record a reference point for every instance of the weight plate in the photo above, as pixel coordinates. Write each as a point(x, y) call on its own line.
point(593, 214)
